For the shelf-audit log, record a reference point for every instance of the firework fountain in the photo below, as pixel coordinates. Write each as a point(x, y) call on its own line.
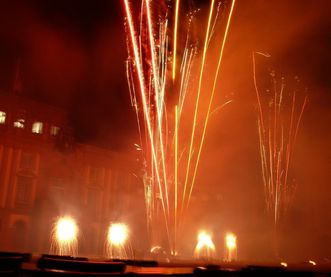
point(279, 116)
point(231, 247)
point(162, 84)
point(205, 247)
point(117, 245)
point(64, 237)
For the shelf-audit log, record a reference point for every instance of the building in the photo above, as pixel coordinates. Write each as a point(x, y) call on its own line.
point(45, 173)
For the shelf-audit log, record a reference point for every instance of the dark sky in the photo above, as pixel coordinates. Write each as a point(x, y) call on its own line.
point(71, 53)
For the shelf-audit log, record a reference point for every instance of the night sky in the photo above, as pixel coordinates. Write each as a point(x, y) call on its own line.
point(72, 53)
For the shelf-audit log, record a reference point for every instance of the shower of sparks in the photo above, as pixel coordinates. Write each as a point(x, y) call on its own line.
point(117, 241)
point(175, 40)
point(163, 109)
point(280, 115)
point(231, 247)
point(205, 247)
point(64, 237)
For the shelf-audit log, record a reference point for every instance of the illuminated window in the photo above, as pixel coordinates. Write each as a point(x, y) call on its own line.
point(55, 130)
point(2, 117)
point(37, 127)
point(19, 123)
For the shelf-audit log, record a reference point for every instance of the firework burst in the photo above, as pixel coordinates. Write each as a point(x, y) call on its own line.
point(161, 85)
point(279, 119)
point(117, 241)
point(205, 247)
point(64, 237)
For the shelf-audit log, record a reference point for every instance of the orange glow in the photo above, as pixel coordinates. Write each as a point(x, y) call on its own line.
point(65, 236)
point(175, 41)
point(117, 234)
point(312, 262)
point(205, 246)
point(212, 95)
point(160, 150)
point(197, 100)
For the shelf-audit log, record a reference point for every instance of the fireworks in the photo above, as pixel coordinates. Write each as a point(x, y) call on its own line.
point(116, 241)
point(64, 237)
point(280, 114)
point(171, 158)
point(205, 247)
point(117, 234)
point(231, 247)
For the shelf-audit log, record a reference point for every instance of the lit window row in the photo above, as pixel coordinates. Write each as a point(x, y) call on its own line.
point(37, 126)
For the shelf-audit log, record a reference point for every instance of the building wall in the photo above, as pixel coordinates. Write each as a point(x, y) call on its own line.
point(46, 174)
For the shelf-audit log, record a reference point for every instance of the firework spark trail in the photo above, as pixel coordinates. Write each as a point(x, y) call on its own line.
point(276, 141)
point(133, 98)
point(150, 63)
point(157, 99)
point(175, 41)
point(197, 103)
point(211, 99)
point(176, 173)
point(144, 102)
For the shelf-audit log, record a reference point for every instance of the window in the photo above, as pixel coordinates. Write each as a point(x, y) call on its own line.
point(2, 117)
point(37, 127)
point(27, 161)
point(57, 191)
point(23, 190)
point(19, 123)
point(55, 130)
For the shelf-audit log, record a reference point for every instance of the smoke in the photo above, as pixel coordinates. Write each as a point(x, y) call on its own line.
point(73, 55)
point(295, 34)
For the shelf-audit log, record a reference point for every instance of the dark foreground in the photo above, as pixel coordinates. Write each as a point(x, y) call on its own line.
point(23, 264)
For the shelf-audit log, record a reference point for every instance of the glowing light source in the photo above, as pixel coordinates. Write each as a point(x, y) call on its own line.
point(283, 264)
point(66, 229)
point(2, 117)
point(205, 247)
point(312, 262)
point(54, 130)
point(117, 237)
point(37, 127)
point(117, 234)
point(19, 123)
point(65, 236)
point(231, 246)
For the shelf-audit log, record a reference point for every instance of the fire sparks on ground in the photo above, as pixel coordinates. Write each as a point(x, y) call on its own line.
point(205, 247)
point(64, 237)
point(231, 247)
point(117, 246)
